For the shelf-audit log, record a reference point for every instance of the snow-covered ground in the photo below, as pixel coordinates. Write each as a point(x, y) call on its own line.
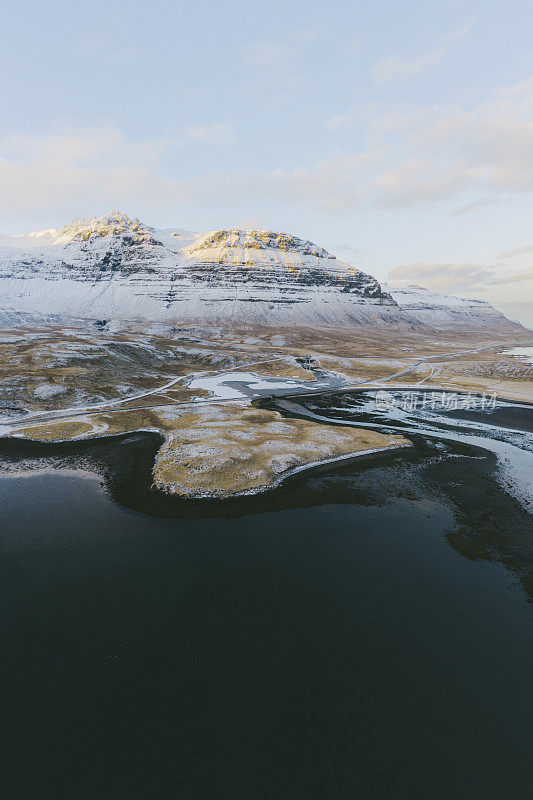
point(523, 353)
point(232, 385)
point(444, 311)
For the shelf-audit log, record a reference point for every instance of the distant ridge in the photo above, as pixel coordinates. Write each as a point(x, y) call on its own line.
point(449, 312)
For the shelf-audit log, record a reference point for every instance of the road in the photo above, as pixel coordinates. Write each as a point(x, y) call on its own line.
point(111, 405)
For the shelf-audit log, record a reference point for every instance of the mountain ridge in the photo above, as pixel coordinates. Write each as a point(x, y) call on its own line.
point(446, 311)
point(118, 267)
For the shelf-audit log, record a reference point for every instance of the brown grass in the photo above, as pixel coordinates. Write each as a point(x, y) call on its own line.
point(52, 432)
point(239, 449)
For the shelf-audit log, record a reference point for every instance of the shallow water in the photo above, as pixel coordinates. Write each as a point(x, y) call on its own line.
point(330, 640)
point(524, 353)
point(425, 413)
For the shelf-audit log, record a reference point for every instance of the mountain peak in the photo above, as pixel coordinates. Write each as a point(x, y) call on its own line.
point(228, 238)
point(116, 266)
point(115, 224)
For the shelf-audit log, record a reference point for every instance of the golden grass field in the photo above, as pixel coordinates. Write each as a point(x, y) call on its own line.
point(61, 384)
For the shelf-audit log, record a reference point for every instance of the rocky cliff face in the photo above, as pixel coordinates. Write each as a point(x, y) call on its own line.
point(115, 266)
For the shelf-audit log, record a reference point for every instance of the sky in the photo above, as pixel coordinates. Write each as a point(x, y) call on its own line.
point(397, 135)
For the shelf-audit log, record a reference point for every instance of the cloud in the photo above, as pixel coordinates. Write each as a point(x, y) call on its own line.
point(518, 277)
point(99, 165)
point(47, 185)
point(398, 68)
point(216, 133)
point(485, 149)
point(493, 141)
point(76, 146)
point(308, 34)
point(273, 56)
point(442, 276)
point(339, 122)
point(457, 277)
point(107, 144)
point(474, 206)
point(414, 156)
point(417, 181)
point(334, 184)
point(444, 153)
point(518, 251)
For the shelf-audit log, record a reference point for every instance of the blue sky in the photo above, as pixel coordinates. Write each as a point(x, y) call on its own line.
point(397, 135)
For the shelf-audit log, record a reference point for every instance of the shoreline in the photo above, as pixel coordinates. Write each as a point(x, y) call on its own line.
point(358, 454)
point(88, 438)
point(464, 474)
point(104, 438)
point(514, 462)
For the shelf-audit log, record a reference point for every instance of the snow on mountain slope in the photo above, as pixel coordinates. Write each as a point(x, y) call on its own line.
point(114, 267)
point(118, 267)
point(447, 312)
point(29, 240)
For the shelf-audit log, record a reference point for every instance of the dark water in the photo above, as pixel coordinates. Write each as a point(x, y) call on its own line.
point(330, 640)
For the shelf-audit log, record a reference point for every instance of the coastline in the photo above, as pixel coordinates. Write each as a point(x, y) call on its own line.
point(348, 457)
point(271, 403)
point(489, 524)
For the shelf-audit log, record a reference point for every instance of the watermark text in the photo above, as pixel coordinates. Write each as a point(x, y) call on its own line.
point(435, 401)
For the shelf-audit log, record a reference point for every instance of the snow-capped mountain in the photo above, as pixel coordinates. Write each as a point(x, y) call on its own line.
point(114, 267)
point(447, 312)
point(117, 267)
